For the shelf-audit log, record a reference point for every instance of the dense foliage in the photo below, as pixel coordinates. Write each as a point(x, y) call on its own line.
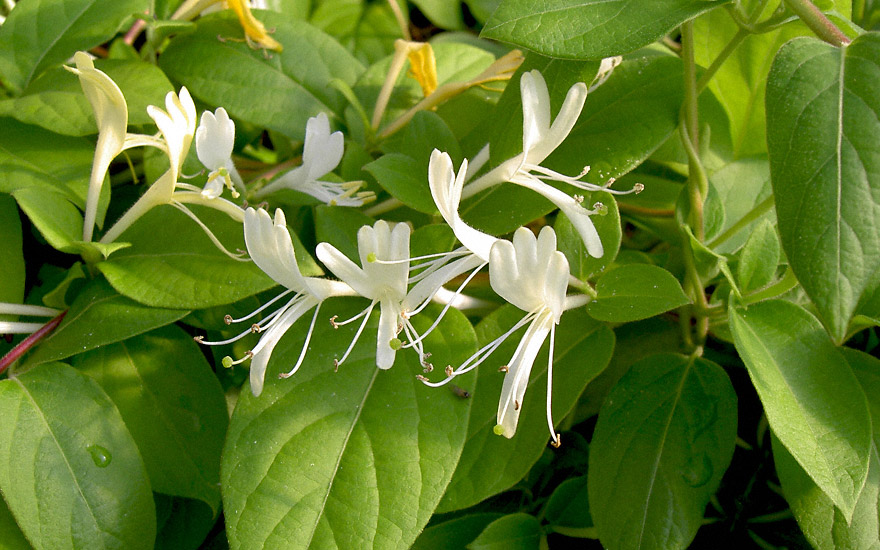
point(439, 274)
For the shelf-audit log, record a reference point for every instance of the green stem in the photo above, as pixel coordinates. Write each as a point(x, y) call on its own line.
point(817, 22)
point(783, 285)
point(734, 43)
point(759, 210)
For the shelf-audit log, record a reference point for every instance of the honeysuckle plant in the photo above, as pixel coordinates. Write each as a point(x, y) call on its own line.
point(389, 274)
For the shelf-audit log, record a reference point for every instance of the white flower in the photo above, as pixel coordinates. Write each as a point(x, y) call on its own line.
point(271, 248)
point(24, 327)
point(384, 255)
point(178, 126)
point(540, 138)
point(532, 275)
point(322, 152)
point(215, 138)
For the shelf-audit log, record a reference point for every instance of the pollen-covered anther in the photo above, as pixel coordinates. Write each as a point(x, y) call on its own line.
point(227, 319)
point(333, 323)
point(256, 328)
point(578, 199)
point(600, 209)
point(638, 188)
point(556, 443)
point(198, 339)
point(503, 368)
point(421, 378)
point(427, 367)
point(584, 172)
point(336, 365)
point(449, 370)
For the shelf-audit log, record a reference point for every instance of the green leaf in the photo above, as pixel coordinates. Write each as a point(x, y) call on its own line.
point(622, 123)
point(635, 291)
point(455, 533)
point(279, 93)
point(298, 456)
point(491, 463)
point(513, 532)
point(100, 316)
point(183, 523)
point(339, 225)
point(88, 487)
point(173, 264)
point(569, 505)
point(39, 34)
point(10, 534)
point(663, 440)
point(173, 406)
point(589, 29)
point(12, 266)
point(582, 265)
point(56, 102)
point(738, 188)
point(759, 258)
point(367, 29)
point(405, 178)
point(823, 524)
point(822, 120)
point(445, 14)
point(813, 402)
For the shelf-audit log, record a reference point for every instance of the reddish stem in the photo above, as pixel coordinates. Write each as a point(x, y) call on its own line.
point(29, 342)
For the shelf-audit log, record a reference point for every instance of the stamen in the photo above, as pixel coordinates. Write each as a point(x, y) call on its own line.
point(421, 378)
point(366, 315)
point(333, 322)
point(229, 320)
point(305, 348)
point(228, 364)
point(255, 328)
point(449, 370)
point(556, 441)
point(503, 368)
point(207, 231)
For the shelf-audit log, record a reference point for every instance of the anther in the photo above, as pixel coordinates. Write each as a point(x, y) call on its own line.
point(503, 368)
point(449, 371)
point(421, 378)
point(256, 329)
point(515, 405)
point(333, 321)
point(227, 319)
point(584, 172)
point(638, 188)
point(427, 367)
point(198, 339)
point(600, 209)
point(578, 199)
point(336, 365)
point(556, 443)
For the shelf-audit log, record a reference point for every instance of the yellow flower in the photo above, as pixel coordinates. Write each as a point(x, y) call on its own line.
point(254, 30)
point(423, 66)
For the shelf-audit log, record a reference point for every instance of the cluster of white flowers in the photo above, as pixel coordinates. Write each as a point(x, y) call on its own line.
point(528, 272)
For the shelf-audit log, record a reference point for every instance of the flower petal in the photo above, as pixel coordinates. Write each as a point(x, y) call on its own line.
point(215, 138)
point(345, 269)
point(389, 315)
point(263, 350)
point(322, 150)
point(271, 248)
point(516, 381)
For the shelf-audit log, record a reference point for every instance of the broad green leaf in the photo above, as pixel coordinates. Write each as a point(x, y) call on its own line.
point(183, 523)
point(582, 265)
point(56, 102)
point(822, 121)
point(279, 93)
point(367, 29)
point(100, 316)
point(822, 524)
point(663, 440)
point(42, 33)
point(635, 291)
point(301, 453)
point(173, 406)
point(513, 532)
point(569, 505)
point(455, 533)
point(445, 14)
point(405, 178)
point(813, 402)
point(491, 463)
point(172, 263)
point(759, 258)
point(51, 211)
point(73, 477)
point(339, 225)
point(589, 29)
point(11, 537)
point(12, 266)
point(622, 123)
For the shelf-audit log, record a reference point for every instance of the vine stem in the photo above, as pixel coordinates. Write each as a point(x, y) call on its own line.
point(29, 342)
point(818, 22)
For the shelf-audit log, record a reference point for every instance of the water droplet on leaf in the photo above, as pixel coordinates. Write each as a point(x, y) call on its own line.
point(100, 455)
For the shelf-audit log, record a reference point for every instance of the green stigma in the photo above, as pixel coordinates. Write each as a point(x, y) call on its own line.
point(498, 429)
point(395, 344)
point(371, 257)
point(227, 362)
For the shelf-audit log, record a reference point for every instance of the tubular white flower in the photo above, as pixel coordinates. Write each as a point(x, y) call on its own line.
point(532, 275)
point(384, 281)
point(215, 138)
point(322, 152)
point(540, 138)
point(271, 248)
point(178, 126)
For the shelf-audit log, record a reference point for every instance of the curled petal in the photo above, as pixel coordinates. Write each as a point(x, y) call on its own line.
point(271, 248)
point(215, 138)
